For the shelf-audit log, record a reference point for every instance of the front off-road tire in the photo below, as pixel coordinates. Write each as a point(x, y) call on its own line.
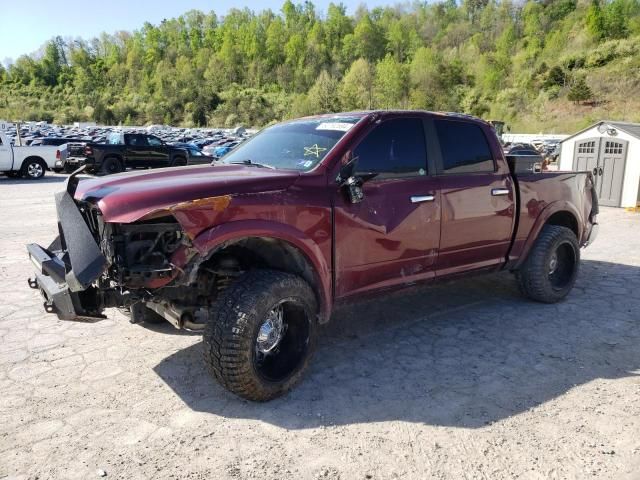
point(550, 271)
point(243, 350)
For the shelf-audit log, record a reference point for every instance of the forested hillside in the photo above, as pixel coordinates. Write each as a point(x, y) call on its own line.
point(552, 65)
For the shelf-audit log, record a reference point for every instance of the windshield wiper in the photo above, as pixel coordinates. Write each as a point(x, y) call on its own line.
point(251, 163)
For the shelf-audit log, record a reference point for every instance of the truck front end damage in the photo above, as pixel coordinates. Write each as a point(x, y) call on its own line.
point(148, 267)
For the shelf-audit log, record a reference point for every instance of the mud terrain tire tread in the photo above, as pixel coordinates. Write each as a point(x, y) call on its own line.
point(533, 278)
point(229, 336)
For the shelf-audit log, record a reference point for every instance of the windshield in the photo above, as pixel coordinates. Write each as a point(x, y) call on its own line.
point(297, 145)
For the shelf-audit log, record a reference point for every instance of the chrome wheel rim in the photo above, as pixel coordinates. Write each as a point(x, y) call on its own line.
point(562, 266)
point(271, 331)
point(35, 170)
point(282, 341)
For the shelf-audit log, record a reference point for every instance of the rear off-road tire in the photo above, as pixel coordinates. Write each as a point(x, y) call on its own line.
point(262, 335)
point(551, 268)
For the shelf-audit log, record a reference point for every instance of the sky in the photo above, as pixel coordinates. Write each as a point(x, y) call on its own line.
point(26, 25)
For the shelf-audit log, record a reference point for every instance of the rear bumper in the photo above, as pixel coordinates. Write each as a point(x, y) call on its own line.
point(593, 234)
point(75, 161)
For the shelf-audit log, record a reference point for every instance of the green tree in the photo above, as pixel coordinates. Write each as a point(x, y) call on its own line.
point(474, 8)
point(323, 95)
point(616, 19)
point(595, 20)
point(555, 77)
point(51, 64)
point(368, 39)
point(580, 92)
point(337, 26)
point(275, 41)
point(390, 85)
point(356, 91)
point(424, 77)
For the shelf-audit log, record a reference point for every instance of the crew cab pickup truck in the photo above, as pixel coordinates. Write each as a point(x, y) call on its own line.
point(258, 249)
point(22, 161)
point(131, 150)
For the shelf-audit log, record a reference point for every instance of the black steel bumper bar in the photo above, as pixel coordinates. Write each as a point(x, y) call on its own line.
point(67, 270)
point(58, 297)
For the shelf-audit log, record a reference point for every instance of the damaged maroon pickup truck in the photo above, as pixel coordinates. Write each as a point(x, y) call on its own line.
point(257, 250)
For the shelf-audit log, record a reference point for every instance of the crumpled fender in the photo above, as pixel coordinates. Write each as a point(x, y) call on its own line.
point(216, 237)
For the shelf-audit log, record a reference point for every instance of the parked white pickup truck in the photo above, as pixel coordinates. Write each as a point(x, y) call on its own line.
point(29, 162)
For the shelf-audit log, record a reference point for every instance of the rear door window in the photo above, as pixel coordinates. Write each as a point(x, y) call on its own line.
point(464, 148)
point(138, 141)
point(114, 139)
point(394, 148)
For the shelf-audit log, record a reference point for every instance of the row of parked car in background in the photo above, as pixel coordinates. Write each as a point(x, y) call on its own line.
point(30, 150)
point(538, 154)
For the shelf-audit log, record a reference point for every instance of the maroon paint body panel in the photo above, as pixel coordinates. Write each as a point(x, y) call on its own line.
point(387, 240)
point(476, 225)
point(543, 195)
point(128, 197)
point(390, 239)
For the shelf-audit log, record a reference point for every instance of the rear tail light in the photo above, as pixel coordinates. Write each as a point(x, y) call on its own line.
point(88, 150)
point(57, 154)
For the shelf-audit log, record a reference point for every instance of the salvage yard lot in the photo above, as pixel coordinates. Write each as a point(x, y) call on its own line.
point(461, 380)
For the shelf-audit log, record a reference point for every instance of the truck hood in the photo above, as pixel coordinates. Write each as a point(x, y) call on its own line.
point(128, 197)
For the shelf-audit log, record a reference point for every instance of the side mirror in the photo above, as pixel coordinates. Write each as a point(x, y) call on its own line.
point(352, 182)
point(353, 186)
point(347, 171)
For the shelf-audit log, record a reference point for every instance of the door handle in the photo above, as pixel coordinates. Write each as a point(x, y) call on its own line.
point(422, 198)
point(496, 192)
point(600, 171)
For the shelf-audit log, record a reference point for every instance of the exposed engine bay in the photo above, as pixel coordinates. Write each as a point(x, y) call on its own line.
point(146, 268)
point(140, 266)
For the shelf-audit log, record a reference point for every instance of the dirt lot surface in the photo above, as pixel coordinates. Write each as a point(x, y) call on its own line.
point(462, 380)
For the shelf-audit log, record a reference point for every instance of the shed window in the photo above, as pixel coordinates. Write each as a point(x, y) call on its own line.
point(614, 148)
point(587, 147)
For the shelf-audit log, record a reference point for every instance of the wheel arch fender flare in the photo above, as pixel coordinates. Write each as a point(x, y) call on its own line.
point(34, 157)
point(558, 207)
point(219, 237)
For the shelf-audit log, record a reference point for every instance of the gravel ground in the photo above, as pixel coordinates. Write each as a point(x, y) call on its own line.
point(461, 380)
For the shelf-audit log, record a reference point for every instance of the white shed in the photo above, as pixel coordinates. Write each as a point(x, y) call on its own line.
point(611, 150)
